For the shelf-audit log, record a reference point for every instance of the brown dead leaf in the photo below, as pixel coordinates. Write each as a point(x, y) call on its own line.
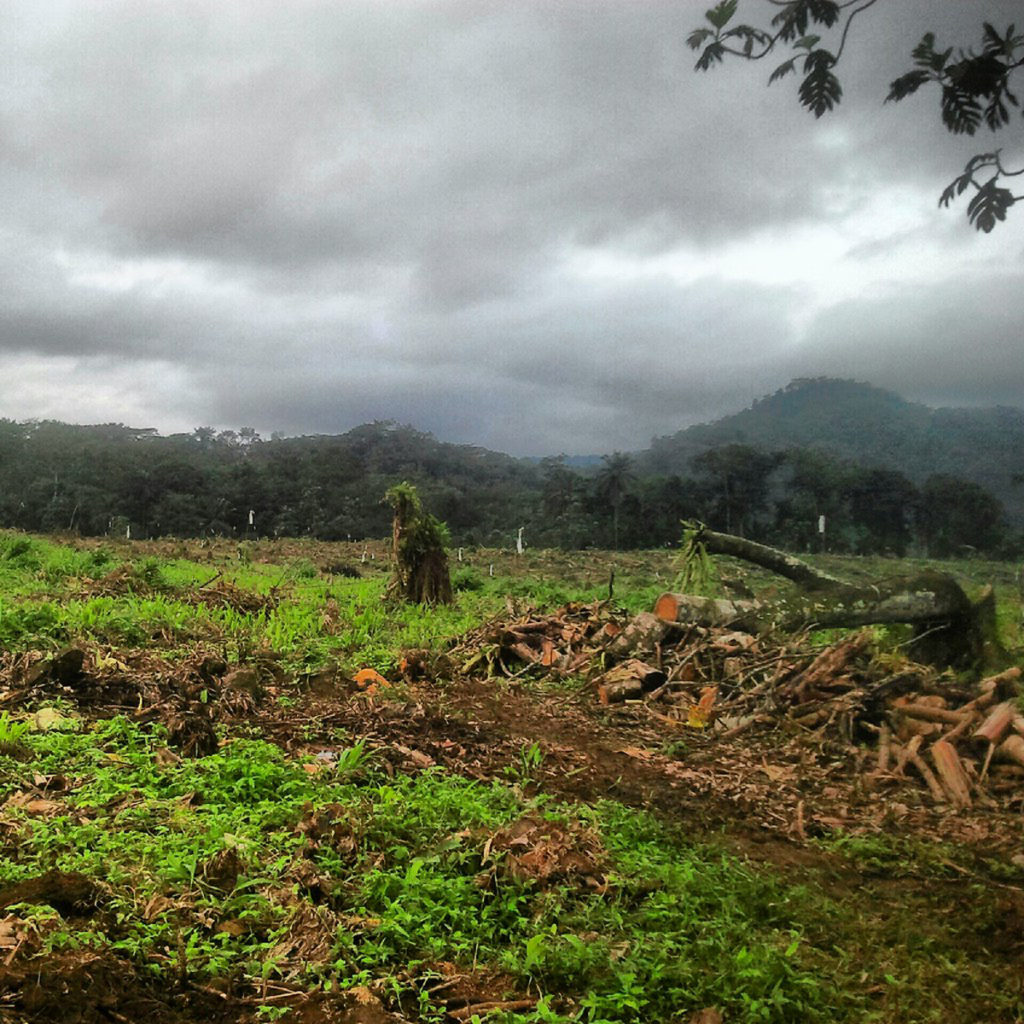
point(636, 752)
point(11, 932)
point(31, 804)
point(155, 907)
point(778, 772)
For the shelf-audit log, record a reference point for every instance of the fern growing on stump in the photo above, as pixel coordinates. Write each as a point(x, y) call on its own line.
point(419, 542)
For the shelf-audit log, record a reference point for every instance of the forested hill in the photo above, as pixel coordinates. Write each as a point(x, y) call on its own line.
point(887, 475)
point(112, 478)
point(871, 427)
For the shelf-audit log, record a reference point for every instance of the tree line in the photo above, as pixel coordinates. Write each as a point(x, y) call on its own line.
point(115, 480)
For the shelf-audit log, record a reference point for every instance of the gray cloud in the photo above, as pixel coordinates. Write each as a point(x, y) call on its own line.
point(318, 214)
point(956, 342)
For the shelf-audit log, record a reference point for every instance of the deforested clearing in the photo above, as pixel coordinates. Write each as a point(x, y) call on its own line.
point(238, 785)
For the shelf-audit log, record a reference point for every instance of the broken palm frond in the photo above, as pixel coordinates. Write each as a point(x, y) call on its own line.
point(697, 571)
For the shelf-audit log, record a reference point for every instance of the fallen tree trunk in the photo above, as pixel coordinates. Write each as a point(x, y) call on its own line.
point(927, 598)
point(772, 559)
point(709, 611)
point(949, 628)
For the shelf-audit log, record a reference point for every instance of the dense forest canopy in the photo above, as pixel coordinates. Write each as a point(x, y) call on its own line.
point(876, 474)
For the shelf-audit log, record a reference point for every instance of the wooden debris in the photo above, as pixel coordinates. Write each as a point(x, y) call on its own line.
point(694, 665)
point(926, 773)
point(997, 724)
point(951, 772)
point(928, 712)
point(832, 662)
point(1003, 685)
point(628, 681)
point(1011, 749)
point(884, 747)
point(644, 633)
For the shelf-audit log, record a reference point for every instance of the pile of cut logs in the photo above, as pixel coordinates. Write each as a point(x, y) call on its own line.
point(963, 742)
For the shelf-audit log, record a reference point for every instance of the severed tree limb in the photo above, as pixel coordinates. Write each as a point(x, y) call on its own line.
point(949, 628)
point(772, 559)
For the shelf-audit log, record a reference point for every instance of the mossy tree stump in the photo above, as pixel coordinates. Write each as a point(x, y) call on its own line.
point(419, 551)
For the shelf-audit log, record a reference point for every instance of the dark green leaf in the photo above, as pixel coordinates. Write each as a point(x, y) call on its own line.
point(925, 56)
point(997, 44)
point(907, 84)
point(977, 160)
point(989, 206)
point(713, 54)
point(955, 188)
point(820, 90)
point(807, 42)
point(996, 114)
point(695, 40)
point(782, 70)
point(721, 13)
point(961, 112)
point(792, 20)
point(925, 50)
point(825, 12)
point(992, 37)
point(978, 76)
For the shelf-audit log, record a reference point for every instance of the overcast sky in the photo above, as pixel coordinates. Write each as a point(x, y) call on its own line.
point(526, 225)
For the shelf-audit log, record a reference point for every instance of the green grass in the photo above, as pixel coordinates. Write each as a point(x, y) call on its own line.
point(414, 872)
point(361, 630)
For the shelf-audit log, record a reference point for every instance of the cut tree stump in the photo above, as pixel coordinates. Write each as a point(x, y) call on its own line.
point(420, 562)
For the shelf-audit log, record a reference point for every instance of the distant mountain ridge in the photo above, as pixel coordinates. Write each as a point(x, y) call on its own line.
point(109, 479)
point(870, 426)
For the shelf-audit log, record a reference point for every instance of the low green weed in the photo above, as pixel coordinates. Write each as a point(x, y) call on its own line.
point(523, 771)
point(669, 927)
point(11, 734)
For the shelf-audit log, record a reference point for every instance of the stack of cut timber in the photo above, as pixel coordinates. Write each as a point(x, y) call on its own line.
point(713, 676)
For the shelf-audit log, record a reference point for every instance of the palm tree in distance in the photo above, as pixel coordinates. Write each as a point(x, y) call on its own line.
point(612, 484)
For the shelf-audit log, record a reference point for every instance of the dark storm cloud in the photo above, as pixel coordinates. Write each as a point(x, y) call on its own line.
point(324, 213)
point(505, 383)
point(957, 341)
point(408, 133)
